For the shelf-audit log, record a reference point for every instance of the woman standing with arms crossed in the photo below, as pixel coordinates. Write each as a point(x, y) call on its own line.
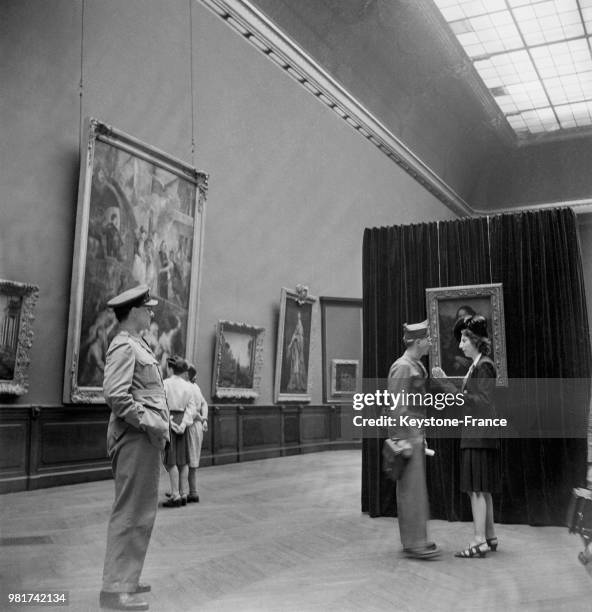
point(480, 472)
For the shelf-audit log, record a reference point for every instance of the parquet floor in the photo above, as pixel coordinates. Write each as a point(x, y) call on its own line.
point(280, 535)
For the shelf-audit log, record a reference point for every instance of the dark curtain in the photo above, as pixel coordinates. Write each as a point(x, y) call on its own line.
point(398, 264)
point(464, 260)
point(536, 257)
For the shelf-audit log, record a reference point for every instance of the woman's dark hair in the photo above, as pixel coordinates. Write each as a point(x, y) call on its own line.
point(483, 344)
point(177, 364)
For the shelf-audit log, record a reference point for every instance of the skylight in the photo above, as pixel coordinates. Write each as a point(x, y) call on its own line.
point(534, 56)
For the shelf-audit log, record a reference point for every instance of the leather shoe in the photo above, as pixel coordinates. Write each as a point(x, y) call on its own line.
point(193, 498)
point(143, 588)
point(171, 502)
point(121, 601)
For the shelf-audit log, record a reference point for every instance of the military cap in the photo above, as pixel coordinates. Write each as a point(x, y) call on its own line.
point(136, 296)
point(414, 331)
point(476, 324)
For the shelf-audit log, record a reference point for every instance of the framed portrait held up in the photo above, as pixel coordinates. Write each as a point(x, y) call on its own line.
point(344, 377)
point(17, 312)
point(341, 330)
point(445, 305)
point(238, 360)
point(139, 221)
point(293, 346)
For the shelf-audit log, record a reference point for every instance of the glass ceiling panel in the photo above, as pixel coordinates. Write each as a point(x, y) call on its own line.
point(534, 56)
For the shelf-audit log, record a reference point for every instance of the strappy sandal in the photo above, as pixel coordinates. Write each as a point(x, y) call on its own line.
point(492, 543)
point(479, 550)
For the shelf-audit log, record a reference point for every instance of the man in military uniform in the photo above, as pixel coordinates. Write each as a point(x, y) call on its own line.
point(137, 433)
point(409, 374)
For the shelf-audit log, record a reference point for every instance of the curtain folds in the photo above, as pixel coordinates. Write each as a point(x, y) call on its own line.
point(398, 263)
point(535, 255)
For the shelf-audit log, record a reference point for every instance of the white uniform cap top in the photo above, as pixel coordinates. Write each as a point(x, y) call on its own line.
point(136, 296)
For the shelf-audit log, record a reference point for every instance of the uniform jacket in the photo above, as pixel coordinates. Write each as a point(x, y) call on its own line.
point(406, 375)
point(134, 390)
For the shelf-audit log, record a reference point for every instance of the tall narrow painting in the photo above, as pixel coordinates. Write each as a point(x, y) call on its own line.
point(139, 221)
point(293, 346)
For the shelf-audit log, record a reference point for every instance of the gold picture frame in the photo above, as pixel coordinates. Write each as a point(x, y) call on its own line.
point(17, 314)
point(292, 381)
point(445, 305)
point(238, 360)
point(139, 221)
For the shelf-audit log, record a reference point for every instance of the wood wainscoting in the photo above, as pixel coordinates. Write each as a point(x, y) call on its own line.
point(45, 446)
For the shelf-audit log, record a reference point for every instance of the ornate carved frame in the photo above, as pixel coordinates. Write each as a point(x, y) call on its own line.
point(96, 131)
point(19, 383)
point(494, 293)
point(301, 298)
point(219, 389)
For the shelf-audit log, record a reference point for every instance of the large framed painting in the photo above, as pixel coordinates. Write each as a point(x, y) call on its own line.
point(341, 331)
point(17, 313)
point(445, 305)
point(139, 221)
point(238, 360)
point(293, 346)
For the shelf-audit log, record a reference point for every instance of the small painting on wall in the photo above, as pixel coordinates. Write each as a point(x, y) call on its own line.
point(238, 360)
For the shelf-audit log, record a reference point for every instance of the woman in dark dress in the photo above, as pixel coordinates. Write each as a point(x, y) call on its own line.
point(480, 471)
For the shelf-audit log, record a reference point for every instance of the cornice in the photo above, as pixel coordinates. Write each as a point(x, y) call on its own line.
point(255, 27)
point(580, 207)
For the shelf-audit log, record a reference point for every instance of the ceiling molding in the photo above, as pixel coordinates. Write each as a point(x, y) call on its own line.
point(580, 207)
point(255, 27)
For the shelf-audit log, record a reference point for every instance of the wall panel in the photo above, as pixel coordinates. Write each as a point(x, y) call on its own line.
point(68, 445)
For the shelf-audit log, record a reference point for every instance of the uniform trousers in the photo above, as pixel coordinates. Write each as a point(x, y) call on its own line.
point(136, 470)
point(412, 500)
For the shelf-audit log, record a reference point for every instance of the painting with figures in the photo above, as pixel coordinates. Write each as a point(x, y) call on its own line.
point(139, 223)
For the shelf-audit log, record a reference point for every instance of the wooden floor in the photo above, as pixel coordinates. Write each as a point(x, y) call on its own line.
point(283, 534)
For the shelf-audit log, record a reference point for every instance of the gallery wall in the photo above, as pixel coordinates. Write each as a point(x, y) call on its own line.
point(551, 172)
point(291, 186)
point(402, 62)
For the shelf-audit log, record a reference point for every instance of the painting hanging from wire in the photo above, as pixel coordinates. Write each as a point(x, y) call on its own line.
point(445, 306)
point(139, 221)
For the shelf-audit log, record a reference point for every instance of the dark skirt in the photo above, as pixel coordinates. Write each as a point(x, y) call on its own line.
point(480, 470)
point(177, 452)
